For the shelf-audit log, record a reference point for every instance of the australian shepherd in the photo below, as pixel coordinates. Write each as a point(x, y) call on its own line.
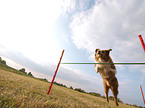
point(107, 71)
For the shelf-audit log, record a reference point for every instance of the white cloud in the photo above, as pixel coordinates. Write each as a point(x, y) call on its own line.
point(27, 27)
point(111, 24)
point(68, 6)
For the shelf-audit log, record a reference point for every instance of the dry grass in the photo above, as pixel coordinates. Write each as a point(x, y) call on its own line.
point(26, 92)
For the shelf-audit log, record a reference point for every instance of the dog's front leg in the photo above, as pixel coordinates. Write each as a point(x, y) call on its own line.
point(97, 68)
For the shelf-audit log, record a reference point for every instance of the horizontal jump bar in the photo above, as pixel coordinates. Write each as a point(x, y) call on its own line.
point(109, 63)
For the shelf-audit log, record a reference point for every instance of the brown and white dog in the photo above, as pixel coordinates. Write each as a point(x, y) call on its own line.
point(107, 72)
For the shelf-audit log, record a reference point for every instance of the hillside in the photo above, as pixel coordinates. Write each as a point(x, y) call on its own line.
point(19, 90)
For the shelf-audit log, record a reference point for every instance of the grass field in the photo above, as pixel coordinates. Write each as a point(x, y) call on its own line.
point(25, 92)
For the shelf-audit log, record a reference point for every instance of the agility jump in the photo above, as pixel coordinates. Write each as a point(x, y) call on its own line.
point(143, 45)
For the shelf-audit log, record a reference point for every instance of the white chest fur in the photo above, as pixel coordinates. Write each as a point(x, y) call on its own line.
point(105, 69)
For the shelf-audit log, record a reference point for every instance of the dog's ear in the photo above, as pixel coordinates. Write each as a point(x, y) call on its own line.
point(96, 50)
point(108, 51)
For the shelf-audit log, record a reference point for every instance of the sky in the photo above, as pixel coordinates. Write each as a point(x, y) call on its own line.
point(33, 34)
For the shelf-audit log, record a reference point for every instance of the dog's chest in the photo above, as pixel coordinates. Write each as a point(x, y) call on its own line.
point(105, 70)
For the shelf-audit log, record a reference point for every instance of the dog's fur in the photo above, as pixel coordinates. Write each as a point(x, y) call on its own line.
point(107, 72)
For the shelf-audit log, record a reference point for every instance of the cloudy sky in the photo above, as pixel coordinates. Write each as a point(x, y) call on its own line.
point(33, 34)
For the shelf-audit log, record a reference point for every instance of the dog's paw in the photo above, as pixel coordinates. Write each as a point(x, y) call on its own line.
point(97, 69)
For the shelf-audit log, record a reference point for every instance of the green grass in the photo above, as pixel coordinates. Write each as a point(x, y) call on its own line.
point(21, 91)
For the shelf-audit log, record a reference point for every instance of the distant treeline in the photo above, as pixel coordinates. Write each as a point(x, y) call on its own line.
point(23, 70)
point(2, 61)
point(82, 91)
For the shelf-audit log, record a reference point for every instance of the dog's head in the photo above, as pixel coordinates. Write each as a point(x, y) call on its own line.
point(102, 55)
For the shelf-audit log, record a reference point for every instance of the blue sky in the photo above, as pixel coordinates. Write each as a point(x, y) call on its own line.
point(33, 34)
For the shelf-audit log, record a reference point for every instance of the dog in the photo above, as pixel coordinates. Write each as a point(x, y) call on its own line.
point(107, 72)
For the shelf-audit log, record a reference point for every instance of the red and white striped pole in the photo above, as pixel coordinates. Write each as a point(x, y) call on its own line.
point(142, 94)
point(48, 92)
point(142, 42)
